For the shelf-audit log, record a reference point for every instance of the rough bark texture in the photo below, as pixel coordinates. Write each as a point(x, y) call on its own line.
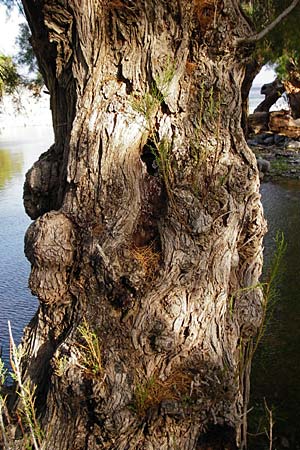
point(161, 255)
point(252, 69)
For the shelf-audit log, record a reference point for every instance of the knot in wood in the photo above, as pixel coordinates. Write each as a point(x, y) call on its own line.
point(49, 241)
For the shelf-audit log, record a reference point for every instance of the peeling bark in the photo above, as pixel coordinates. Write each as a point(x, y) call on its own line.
point(155, 252)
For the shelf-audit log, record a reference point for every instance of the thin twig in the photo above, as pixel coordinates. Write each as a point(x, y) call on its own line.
point(271, 425)
point(258, 36)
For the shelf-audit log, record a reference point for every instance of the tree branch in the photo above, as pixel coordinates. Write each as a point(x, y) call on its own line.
point(270, 27)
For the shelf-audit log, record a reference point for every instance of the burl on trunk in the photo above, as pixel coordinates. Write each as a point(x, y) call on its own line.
point(146, 246)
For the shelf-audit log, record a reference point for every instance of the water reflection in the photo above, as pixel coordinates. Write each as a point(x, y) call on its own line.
point(276, 368)
point(21, 147)
point(10, 165)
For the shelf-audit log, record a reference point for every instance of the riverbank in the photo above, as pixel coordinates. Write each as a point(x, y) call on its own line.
point(278, 156)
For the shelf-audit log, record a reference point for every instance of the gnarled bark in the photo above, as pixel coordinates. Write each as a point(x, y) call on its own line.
point(153, 234)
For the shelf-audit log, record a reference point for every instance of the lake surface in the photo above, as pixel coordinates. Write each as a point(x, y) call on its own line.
point(19, 148)
point(276, 369)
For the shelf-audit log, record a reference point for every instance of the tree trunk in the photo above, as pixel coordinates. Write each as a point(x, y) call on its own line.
point(148, 227)
point(252, 69)
point(292, 88)
point(293, 92)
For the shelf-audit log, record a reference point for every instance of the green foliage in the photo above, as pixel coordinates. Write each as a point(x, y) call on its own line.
point(210, 114)
point(281, 66)
point(90, 351)
point(61, 366)
point(259, 11)
point(26, 55)
point(270, 290)
point(143, 395)
point(279, 166)
point(164, 79)
point(248, 347)
point(9, 77)
point(150, 391)
point(150, 101)
point(33, 437)
point(147, 105)
point(248, 8)
point(274, 274)
point(282, 43)
point(162, 152)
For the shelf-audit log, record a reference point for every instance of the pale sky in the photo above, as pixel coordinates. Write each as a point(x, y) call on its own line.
point(266, 75)
point(9, 28)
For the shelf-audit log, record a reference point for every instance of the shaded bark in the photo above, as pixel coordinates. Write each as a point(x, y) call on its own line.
point(292, 87)
point(252, 69)
point(150, 227)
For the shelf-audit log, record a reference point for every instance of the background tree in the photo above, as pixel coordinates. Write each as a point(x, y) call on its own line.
point(279, 47)
point(25, 58)
point(9, 77)
point(146, 245)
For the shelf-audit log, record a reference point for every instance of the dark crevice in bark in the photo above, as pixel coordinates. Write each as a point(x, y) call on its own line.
point(218, 437)
point(128, 83)
point(149, 158)
point(91, 406)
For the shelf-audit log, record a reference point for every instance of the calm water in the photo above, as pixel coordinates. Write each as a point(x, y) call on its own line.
point(18, 150)
point(276, 371)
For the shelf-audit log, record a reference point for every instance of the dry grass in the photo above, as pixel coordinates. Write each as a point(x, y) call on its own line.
point(206, 13)
point(190, 67)
point(152, 391)
point(90, 351)
point(115, 4)
point(148, 258)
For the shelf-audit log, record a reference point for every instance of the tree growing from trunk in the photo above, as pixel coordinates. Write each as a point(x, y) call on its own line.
point(146, 246)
